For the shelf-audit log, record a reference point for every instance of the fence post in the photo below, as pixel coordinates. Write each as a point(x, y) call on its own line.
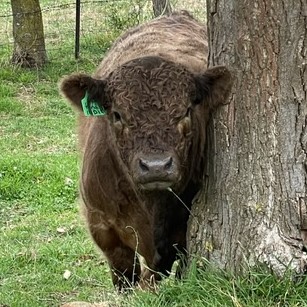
point(77, 32)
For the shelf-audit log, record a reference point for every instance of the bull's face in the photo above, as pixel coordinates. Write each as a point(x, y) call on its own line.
point(158, 112)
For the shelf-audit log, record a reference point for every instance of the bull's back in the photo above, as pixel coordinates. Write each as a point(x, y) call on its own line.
point(178, 38)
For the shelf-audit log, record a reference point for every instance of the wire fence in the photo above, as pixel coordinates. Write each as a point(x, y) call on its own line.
point(101, 22)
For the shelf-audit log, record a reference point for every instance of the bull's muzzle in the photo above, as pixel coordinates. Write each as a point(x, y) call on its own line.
point(155, 171)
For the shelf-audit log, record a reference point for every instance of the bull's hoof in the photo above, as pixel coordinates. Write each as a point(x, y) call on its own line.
point(148, 281)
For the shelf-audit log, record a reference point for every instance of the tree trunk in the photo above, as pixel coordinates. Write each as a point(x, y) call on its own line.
point(161, 7)
point(29, 43)
point(253, 206)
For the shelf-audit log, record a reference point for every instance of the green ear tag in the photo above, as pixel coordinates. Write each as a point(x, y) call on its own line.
point(91, 108)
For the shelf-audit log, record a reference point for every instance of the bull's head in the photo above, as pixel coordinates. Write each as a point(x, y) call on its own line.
point(158, 112)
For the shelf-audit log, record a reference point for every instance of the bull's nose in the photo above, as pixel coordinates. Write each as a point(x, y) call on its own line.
point(156, 166)
point(155, 171)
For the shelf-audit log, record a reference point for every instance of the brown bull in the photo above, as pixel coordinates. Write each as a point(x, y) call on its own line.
point(157, 93)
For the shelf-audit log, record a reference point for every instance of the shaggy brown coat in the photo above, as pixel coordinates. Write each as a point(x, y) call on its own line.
point(158, 96)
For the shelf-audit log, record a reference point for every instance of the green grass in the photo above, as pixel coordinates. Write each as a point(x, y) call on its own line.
point(41, 233)
point(215, 288)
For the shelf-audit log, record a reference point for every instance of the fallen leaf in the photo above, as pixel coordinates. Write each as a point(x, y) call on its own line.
point(61, 230)
point(66, 274)
point(68, 181)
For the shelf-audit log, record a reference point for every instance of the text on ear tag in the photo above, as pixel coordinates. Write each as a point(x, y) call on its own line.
point(91, 108)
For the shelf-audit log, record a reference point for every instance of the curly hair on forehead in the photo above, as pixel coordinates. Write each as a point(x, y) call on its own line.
point(148, 84)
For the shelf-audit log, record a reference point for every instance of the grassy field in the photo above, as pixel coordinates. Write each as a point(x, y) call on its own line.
point(46, 256)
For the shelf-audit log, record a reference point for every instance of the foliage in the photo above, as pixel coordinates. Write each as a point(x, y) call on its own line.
point(206, 286)
point(120, 16)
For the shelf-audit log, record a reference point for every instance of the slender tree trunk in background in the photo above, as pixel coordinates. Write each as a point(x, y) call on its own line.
point(29, 43)
point(253, 206)
point(161, 7)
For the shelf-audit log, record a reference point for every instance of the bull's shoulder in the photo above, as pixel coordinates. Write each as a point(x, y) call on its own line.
point(178, 38)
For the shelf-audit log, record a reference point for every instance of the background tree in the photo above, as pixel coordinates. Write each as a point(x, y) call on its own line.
point(161, 7)
point(253, 204)
point(28, 33)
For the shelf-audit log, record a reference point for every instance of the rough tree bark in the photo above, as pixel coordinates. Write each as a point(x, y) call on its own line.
point(28, 33)
point(161, 7)
point(253, 206)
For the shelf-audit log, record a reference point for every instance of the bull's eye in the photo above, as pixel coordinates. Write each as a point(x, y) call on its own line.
point(117, 121)
point(188, 113)
point(184, 126)
point(116, 117)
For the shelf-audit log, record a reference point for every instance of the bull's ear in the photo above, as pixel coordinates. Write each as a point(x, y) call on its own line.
point(213, 87)
point(75, 87)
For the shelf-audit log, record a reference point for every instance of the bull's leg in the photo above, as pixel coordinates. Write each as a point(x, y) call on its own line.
point(180, 245)
point(179, 229)
point(124, 265)
point(161, 264)
point(168, 251)
point(123, 262)
point(165, 254)
point(170, 239)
